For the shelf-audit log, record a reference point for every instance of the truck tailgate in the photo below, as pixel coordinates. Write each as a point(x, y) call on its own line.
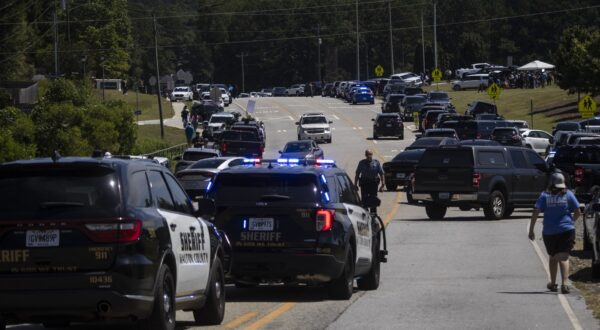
point(445, 170)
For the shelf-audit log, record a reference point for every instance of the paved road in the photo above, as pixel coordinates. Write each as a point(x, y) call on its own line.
point(460, 273)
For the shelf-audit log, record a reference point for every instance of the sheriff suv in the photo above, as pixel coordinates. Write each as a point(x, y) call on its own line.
point(86, 239)
point(497, 179)
point(292, 221)
point(314, 126)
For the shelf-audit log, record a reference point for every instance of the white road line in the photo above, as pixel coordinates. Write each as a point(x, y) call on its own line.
point(335, 117)
point(387, 156)
point(354, 128)
point(375, 141)
point(291, 118)
point(394, 150)
point(360, 127)
point(563, 301)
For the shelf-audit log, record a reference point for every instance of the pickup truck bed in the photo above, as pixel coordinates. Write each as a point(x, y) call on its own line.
point(241, 143)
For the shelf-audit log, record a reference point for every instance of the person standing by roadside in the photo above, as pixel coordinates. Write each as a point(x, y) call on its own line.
point(561, 210)
point(184, 115)
point(369, 174)
point(189, 133)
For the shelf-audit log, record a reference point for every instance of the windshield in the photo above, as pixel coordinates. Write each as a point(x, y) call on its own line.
point(413, 100)
point(207, 163)
point(438, 96)
point(296, 147)
point(181, 89)
point(251, 187)
point(314, 120)
point(219, 119)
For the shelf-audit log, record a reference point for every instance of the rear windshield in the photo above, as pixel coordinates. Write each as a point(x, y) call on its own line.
point(447, 158)
point(197, 155)
point(567, 126)
point(443, 133)
point(433, 114)
point(65, 194)
point(208, 163)
point(424, 142)
point(438, 96)
point(256, 187)
point(388, 119)
point(297, 147)
point(586, 155)
point(414, 100)
point(504, 132)
point(408, 155)
point(239, 136)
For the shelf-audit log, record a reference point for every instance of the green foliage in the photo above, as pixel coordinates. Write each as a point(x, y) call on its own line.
point(16, 135)
point(578, 60)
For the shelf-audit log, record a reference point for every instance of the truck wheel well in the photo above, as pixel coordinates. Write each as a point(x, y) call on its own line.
point(500, 187)
point(170, 261)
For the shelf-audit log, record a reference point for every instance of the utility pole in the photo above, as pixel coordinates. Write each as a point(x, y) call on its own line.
point(55, 43)
point(241, 55)
point(160, 111)
point(423, 41)
point(319, 51)
point(357, 48)
point(391, 38)
point(103, 81)
point(435, 33)
point(367, 61)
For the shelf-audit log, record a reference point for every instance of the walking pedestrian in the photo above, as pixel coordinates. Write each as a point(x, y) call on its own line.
point(369, 175)
point(184, 115)
point(561, 210)
point(189, 133)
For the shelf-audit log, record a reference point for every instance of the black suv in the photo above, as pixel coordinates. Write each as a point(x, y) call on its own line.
point(581, 166)
point(291, 223)
point(388, 124)
point(91, 239)
point(495, 178)
point(507, 136)
point(391, 103)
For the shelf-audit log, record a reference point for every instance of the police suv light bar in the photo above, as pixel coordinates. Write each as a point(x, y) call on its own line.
point(252, 161)
point(288, 161)
point(325, 162)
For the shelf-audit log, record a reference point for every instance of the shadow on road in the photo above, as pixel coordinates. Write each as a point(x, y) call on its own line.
point(277, 294)
point(527, 292)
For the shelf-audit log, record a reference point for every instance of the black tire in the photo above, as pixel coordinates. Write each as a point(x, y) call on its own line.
point(401, 137)
point(435, 211)
point(162, 319)
point(587, 244)
point(456, 88)
point(495, 207)
point(375, 136)
point(342, 287)
point(329, 140)
point(371, 280)
point(391, 186)
point(213, 311)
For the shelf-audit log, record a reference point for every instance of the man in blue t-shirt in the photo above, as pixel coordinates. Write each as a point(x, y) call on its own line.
point(561, 210)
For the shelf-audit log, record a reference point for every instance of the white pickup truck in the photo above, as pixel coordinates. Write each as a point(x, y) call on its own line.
point(460, 73)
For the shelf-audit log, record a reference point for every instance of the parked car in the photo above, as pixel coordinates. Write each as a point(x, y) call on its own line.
point(507, 136)
point(327, 90)
point(440, 132)
point(471, 81)
point(303, 149)
point(393, 88)
point(497, 179)
point(399, 170)
point(192, 155)
point(391, 103)
point(438, 97)
point(581, 166)
point(363, 95)
point(431, 142)
point(182, 94)
point(409, 78)
point(216, 124)
point(591, 233)
point(295, 90)
point(569, 126)
point(388, 124)
point(279, 91)
point(314, 126)
point(241, 144)
point(537, 140)
point(196, 177)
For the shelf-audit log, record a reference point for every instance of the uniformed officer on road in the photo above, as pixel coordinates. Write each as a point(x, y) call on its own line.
point(369, 175)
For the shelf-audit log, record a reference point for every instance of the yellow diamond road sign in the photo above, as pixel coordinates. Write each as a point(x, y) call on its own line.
point(436, 74)
point(379, 71)
point(587, 106)
point(494, 91)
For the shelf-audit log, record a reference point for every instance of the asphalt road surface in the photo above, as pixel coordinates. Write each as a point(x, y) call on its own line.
point(460, 273)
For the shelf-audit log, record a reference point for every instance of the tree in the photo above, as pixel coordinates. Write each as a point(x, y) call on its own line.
point(578, 60)
point(16, 135)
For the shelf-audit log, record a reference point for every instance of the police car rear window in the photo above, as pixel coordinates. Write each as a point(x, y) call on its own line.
point(265, 187)
point(64, 194)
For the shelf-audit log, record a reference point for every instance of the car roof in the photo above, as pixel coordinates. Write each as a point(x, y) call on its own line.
point(133, 163)
point(388, 114)
point(313, 114)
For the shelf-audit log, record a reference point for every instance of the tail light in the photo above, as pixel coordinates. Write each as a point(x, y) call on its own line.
point(115, 232)
point(478, 136)
point(579, 173)
point(224, 147)
point(476, 180)
point(325, 220)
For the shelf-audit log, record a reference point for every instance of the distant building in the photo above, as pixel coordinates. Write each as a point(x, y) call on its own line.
point(24, 94)
point(116, 84)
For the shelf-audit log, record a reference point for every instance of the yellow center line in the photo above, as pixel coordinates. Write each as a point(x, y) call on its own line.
point(390, 215)
point(271, 316)
point(240, 320)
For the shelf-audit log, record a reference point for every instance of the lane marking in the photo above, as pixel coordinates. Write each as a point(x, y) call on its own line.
point(240, 320)
point(375, 141)
point(561, 298)
point(335, 117)
point(390, 214)
point(271, 316)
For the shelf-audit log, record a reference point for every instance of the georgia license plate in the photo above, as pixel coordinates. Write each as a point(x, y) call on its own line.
point(444, 195)
point(261, 224)
point(400, 175)
point(42, 238)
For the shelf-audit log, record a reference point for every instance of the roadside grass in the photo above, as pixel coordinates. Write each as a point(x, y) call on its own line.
point(513, 103)
point(148, 138)
point(147, 103)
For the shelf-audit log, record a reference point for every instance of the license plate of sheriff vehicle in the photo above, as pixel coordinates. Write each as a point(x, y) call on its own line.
point(42, 238)
point(261, 224)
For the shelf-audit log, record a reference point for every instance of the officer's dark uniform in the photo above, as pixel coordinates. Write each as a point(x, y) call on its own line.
point(368, 173)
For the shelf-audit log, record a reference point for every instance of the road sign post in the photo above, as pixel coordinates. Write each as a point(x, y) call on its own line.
point(379, 70)
point(587, 107)
point(494, 91)
point(436, 75)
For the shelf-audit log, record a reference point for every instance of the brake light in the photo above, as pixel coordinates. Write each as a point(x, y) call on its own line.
point(224, 147)
point(115, 232)
point(476, 180)
point(579, 174)
point(478, 136)
point(324, 220)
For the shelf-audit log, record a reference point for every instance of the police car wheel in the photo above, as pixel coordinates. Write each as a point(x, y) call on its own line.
point(54, 325)
point(213, 312)
point(2, 324)
point(163, 313)
point(342, 287)
point(371, 280)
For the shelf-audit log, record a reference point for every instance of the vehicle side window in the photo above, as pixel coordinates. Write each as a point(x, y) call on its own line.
point(236, 162)
point(160, 192)
point(182, 201)
point(534, 158)
point(492, 158)
point(139, 192)
point(518, 159)
point(345, 190)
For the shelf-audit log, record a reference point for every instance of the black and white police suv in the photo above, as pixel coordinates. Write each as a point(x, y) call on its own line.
point(294, 222)
point(85, 239)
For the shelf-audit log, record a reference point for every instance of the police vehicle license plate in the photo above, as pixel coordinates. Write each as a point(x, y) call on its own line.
point(388, 125)
point(261, 224)
point(42, 238)
point(400, 175)
point(444, 195)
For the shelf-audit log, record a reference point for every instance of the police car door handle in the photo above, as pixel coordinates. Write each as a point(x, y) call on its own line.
point(173, 226)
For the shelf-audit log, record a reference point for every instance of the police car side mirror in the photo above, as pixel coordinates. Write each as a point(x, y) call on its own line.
point(206, 207)
point(372, 119)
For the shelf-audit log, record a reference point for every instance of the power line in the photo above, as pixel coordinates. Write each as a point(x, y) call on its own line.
point(28, 23)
